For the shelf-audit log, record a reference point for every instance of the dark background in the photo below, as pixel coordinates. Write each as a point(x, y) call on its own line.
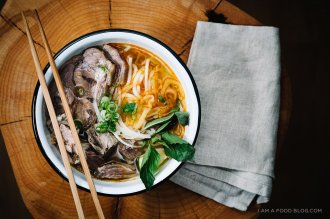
point(303, 165)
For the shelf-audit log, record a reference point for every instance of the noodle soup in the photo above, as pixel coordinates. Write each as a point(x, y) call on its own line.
point(130, 111)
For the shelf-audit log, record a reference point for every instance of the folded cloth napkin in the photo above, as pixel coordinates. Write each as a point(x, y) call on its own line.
point(237, 72)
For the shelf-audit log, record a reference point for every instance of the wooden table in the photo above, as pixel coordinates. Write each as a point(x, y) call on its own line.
point(44, 192)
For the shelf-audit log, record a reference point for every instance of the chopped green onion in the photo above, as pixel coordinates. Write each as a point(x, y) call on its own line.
point(104, 68)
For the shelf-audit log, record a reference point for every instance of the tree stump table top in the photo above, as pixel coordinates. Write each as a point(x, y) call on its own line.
point(45, 193)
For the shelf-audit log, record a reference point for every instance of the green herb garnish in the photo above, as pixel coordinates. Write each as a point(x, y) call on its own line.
point(174, 147)
point(170, 138)
point(165, 122)
point(129, 108)
point(108, 115)
point(177, 148)
point(104, 68)
point(149, 166)
point(163, 126)
point(106, 126)
point(159, 121)
point(183, 117)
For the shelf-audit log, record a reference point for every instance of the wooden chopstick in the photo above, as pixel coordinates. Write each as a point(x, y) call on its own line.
point(69, 117)
point(55, 124)
point(68, 114)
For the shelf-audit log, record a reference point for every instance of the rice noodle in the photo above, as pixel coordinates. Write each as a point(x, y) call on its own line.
point(146, 73)
point(135, 69)
point(175, 84)
point(128, 95)
point(153, 112)
point(148, 80)
point(148, 100)
point(135, 92)
point(136, 78)
point(142, 118)
point(129, 60)
point(126, 88)
point(140, 79)
point(170, 93)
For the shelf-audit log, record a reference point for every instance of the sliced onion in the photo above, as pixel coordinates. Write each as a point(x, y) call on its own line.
point(124, 142)
point(128, 133)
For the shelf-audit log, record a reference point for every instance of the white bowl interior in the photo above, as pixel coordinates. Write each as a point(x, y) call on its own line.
point(133, 185)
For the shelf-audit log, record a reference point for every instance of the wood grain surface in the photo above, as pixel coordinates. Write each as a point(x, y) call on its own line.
point(44, 192)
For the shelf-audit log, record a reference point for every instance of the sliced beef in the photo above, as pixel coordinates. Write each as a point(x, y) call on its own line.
point(129, 154)
point(68, 139)
point(115, 170)
point(83, 110)
point(121, 73)
point(86, 78)
point(101, 142)
point(94, 160)
point(66, 74)
point(113, 154)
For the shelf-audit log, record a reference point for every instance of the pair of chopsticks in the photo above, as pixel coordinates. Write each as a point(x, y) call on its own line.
point(55, 124)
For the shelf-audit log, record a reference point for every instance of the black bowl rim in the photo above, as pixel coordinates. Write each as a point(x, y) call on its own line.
point(34, 125)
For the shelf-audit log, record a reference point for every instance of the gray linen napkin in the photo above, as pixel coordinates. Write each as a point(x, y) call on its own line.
point(237, 71)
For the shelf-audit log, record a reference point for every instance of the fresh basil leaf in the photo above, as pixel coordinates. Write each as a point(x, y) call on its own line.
point(147, 177)
point(129, 108)
point(183, 117)
point(146, 156)
point(155, 138)
point(159, 121)
point(164, 126)
point(172, 139)
point(149, 166)
point(176, 147)
point(180, 152)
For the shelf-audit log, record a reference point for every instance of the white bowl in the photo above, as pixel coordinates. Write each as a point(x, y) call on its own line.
point(116, 36)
